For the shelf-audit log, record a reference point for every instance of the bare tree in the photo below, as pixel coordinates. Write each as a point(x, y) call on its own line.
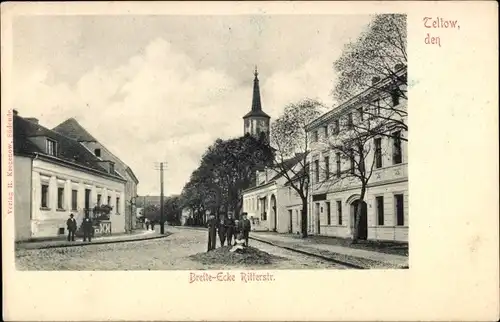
point(356, 157)
point(291, 146)
point(374, 65)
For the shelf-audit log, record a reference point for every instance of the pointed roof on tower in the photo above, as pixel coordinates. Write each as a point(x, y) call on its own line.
point(256, 103)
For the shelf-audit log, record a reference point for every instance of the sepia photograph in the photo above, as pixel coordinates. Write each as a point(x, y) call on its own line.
point(157, 143)
point(250, 160)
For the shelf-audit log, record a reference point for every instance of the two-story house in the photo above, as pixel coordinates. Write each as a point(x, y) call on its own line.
point(55, 176)
point(376, 117)
point(72, 129)
point(267, 202)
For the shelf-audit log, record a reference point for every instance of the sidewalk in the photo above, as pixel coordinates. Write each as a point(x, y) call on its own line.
point(359, 257)
point(119, 238)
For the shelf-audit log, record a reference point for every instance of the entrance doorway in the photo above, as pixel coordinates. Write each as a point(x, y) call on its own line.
point(274, 213)
point(290, 227)
point(87, 201)
point(363, 223)
point(317, 224)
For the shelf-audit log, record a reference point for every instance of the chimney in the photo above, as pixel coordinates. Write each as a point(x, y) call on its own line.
point(398, 67)
point(375, 80)
point(15, 112)
point(32, 119)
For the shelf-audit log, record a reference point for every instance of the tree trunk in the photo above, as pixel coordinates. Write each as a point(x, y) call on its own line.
point(303, 220)
point(357, 221)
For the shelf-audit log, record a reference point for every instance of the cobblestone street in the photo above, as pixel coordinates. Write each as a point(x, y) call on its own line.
point(160, 254)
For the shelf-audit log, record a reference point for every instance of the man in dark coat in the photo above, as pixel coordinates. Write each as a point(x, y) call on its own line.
point(212, 232)
point(221, 230)
point(229, 225)
point(87, 228)
point(71, 224)
point(246, 226)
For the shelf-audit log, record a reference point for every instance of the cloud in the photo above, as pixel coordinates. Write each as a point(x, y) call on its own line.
point(157, 107)
point(177, 93)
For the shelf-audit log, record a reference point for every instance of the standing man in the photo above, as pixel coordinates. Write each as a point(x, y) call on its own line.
point(246, 227)
point(221, 230)
point(71, 224)
point(87, 228)
point(212, 232)
point(229, 225)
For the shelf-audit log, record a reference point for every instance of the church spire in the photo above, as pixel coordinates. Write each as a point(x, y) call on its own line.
point(256, 105)
point(256, 122)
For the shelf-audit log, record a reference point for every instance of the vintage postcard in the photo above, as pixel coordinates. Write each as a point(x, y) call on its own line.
point(250, 161)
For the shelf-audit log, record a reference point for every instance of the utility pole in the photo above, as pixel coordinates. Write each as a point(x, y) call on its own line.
point(162, 216)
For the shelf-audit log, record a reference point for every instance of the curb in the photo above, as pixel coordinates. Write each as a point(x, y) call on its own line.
point(97, 242)
point(329, 259)
point(311, 254)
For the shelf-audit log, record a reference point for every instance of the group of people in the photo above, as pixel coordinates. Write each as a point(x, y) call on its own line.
point(72, 226)
point(228, 228)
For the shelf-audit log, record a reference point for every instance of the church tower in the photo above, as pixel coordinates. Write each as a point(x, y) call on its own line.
point(256, 121)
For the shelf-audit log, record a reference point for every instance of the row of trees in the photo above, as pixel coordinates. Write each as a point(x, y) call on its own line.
point(373, 61)
point(172, 210)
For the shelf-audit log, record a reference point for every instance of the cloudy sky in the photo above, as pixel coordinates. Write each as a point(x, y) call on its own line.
point(163, 88)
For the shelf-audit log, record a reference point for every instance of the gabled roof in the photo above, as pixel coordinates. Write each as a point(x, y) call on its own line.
point(297, 176)
point(72, 129)
point(288, 164)
point(68, 150)
point(132, 174)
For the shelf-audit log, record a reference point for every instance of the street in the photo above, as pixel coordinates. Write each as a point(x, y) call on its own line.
point(170, 253)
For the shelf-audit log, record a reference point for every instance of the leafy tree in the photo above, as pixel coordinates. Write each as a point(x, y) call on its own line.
point(290, 141)
point(226, 169)
point(152, 212)
point(377, 61)
point(172, 208)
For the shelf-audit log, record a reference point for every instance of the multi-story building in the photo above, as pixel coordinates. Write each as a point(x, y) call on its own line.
point(56, 176)
point(375, 115)
point(72, 129)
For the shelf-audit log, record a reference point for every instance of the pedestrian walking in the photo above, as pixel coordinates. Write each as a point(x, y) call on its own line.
point(153, 225)
point(146, 221)
point(221, 230)
point(87, 228)
point(212, 231)
point(246, 227)
point(71, 224)
point(229, 225)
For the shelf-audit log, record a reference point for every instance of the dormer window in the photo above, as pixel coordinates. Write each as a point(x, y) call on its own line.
point(51, 147)
point(97, 152)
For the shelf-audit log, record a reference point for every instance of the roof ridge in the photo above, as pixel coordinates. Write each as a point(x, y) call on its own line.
point(77, 127)
point(59, 135)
